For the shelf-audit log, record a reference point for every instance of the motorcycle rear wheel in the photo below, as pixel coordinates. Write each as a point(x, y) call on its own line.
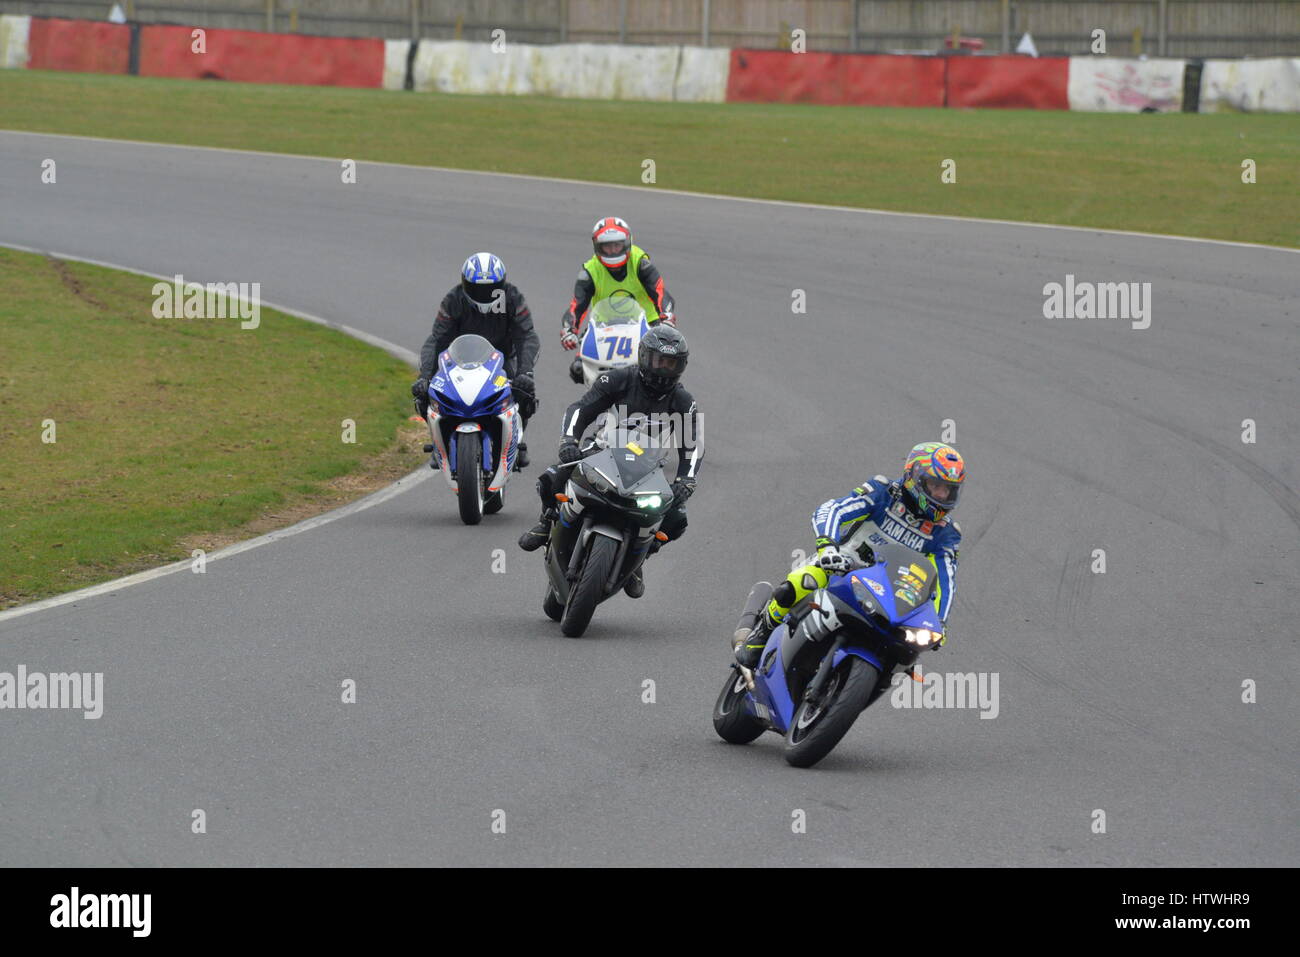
point(552, 605)
point(730, 719)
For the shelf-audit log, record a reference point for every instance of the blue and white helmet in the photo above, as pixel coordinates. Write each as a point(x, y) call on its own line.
point(483, 277)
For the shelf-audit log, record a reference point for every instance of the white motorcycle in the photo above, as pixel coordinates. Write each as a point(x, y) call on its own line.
point(613, 333)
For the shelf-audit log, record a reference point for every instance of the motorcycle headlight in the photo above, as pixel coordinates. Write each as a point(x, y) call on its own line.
point(921, 637)
point(597, 480)
point(864, 597)
point(649, 501)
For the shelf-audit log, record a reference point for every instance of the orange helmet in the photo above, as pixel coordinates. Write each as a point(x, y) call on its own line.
point(932, 479)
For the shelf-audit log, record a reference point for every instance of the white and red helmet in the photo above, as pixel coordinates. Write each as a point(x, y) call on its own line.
point(611, 237)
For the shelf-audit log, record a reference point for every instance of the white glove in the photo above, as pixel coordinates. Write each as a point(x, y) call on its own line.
point(834, 562)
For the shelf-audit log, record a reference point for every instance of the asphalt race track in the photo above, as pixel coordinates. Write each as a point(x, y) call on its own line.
point(1119, 691)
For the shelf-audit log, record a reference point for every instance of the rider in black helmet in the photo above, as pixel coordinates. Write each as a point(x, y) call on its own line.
point(654, 390)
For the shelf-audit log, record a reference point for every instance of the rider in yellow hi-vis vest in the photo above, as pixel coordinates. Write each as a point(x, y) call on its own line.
point(616, 266)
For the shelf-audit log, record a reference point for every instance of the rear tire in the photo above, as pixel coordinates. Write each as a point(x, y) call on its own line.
point(813, 734)
point(469, 476)
point(730, 719)
point(552, 605)
point(586, 592)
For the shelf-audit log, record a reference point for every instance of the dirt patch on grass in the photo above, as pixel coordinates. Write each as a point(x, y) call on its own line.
point(72, 283)
point(381, 470)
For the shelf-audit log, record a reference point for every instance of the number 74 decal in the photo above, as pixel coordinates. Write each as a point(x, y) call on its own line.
point(621, 346)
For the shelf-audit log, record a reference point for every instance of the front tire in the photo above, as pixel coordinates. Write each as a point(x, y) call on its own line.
point(586, 592)
point(730, 719)
point(469, 476)
point(814, 732)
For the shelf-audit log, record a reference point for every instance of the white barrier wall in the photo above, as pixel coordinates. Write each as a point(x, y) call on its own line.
point(395, 54)
point(1252, 86)
point(702, 76)
point(1114, 85)
point(576, 70)
point(13, 42)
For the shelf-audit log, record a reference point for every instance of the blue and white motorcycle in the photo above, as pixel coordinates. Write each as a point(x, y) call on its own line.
point(474, 425)
point(835, 654)
point(614, 328)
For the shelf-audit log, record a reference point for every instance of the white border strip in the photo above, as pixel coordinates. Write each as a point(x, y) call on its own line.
point(671, 192)
point(343, 511)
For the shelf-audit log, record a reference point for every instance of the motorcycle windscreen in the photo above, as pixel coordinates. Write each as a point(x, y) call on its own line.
point(470, 352)
point(911, 576)
point(619, 309)
point(637, 454)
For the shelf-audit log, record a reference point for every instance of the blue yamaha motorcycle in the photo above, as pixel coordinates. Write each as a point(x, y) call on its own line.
point(474, 425)
point(833, 656)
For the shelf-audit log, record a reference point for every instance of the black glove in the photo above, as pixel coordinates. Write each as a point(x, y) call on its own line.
point(525, 392)
point(420, 388)
point(569, 451)
point(683, 488)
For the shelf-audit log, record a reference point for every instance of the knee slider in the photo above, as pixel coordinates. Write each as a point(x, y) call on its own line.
point(783, 594)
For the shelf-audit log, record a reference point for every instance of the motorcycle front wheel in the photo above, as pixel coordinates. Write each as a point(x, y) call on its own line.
point(585, 594)
point(816, 730)
point(469, 476)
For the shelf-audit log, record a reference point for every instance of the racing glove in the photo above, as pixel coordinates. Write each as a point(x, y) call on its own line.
point(669, 317)
point(569, 334)
point(525, 391)
point(832, 561)
point(420, 388)
point(569, 451)
point(683, 488)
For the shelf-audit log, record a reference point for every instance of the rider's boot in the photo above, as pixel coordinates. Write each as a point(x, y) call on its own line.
point(536, 536)
point(750, 642)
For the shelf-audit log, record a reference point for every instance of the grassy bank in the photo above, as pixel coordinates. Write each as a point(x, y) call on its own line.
point(170, 434)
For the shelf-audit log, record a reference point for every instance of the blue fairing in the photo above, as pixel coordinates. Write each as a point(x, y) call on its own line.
point(771, 687)
point(491, 399)
point(589, 342)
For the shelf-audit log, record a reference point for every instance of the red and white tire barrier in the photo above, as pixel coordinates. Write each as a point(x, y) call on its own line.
point(1253, 86)
point(665, 73)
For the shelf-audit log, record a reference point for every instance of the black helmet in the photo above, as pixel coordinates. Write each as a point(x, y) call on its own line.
point(661, 358)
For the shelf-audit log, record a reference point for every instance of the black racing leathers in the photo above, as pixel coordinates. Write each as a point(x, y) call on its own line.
point(622, 391)
point(509, 329)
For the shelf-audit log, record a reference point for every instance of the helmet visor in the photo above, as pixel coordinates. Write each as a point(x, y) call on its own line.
point(662, 365)
point(482, 292)
point(940, 491)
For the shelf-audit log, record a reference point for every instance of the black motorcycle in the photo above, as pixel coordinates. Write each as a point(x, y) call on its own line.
point(609, 513)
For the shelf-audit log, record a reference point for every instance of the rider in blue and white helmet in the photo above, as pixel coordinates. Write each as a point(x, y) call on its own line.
point(485, 304)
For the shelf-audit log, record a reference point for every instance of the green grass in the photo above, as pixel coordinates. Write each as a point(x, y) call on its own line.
point(164, 428)
point(1175, 173)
